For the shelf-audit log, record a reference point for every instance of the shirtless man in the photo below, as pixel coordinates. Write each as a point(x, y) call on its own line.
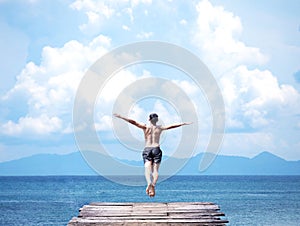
point(152, 154)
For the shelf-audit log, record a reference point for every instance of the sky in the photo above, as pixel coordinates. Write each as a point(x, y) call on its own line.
point(252, 48)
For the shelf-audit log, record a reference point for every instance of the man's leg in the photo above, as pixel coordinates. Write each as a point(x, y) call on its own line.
point(148, 171)
point(155, 178)
point(155, 173)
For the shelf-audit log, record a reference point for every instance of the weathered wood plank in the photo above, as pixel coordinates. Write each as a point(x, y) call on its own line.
point(147, 222)
point(170, 221)
point(183, 220)
point(144, 213)
point(145, 216)
point(179, 213)
point(154, 218)
point(111, 204)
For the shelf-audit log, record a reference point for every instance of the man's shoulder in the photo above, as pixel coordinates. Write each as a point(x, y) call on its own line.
point(159, 127)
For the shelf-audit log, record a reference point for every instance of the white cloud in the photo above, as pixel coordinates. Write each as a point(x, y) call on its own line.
point(26, 126)
point(104, 123)
point(183, 22)
point(114, 86)
point(257, 97)
point(188, 87)
point(137, 2)
point(129, 11)
point(98, 11)
point(247, 144)
point(49, 88)
point(94, 7)
point(217, 37)
point(144, 35)
point(126, 28)
point(254, 98)
point(166, 115)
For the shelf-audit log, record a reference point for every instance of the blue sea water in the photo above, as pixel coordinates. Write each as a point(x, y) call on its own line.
point(245, 200)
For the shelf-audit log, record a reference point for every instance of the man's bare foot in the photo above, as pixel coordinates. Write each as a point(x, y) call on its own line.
point(148, 188)
point(151, 191)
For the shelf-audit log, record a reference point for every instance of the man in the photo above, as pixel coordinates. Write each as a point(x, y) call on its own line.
point(152, 153)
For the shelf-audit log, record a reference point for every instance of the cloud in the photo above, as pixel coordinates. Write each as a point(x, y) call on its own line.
point(126, 28)
point(96, 12)
point(137, 2)
point(96, 7)
point(48, 89)
point(189, 88)
point(114, 86)
point(183, 22)
point(217, 37)
point(99, 11)
point(26, 126)
point(144, 35)
point(247, 144)
point(104, 123)
point(255, 98)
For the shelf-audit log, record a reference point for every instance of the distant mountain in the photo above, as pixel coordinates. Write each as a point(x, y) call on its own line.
point(47, 164)
point(74, 164)
point(263, 164)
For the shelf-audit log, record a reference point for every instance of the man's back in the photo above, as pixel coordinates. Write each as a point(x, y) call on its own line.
point(152, 136)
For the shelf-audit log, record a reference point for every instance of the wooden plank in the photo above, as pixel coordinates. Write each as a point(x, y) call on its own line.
point(147, 213)
point(197, 220)
point(111, 204)
point(156, 216)
point(146, 222)
point(96, 220)
point(179, 213)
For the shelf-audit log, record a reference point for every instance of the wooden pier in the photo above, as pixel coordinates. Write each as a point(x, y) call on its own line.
point(152, 213)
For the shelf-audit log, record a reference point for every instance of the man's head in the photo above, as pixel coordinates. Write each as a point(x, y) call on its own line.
point(153, 117)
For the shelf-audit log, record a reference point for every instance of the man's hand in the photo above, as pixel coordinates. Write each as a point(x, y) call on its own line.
point(117, 115)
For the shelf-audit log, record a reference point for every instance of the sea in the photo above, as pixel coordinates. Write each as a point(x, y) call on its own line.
point(245, 200)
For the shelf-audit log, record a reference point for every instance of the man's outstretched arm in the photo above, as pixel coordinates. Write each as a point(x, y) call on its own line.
point(133, 122)
point(175, 125)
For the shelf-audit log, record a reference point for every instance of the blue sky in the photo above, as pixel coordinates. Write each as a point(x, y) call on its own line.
point(251, 47)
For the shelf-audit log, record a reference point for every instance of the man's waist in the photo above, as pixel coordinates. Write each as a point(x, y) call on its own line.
point(157, 146)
